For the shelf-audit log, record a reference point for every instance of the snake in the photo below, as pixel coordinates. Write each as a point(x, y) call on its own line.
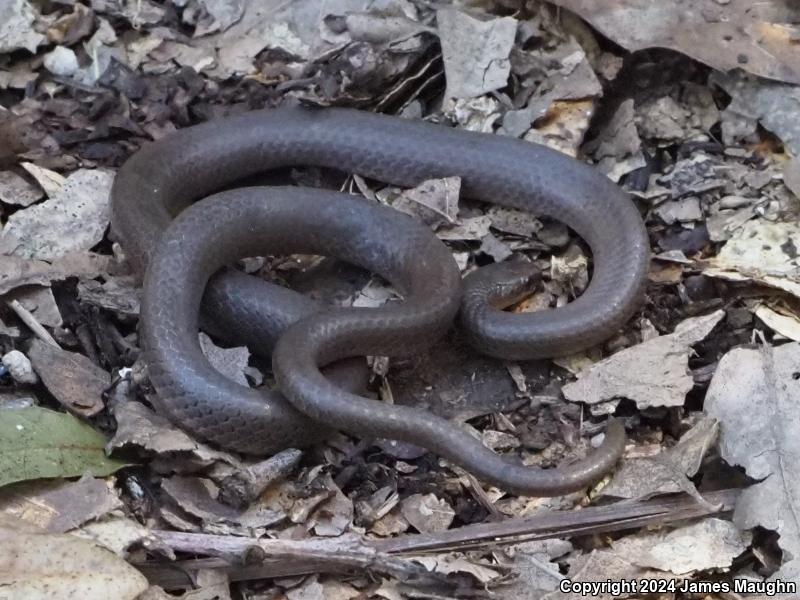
point(180, 219)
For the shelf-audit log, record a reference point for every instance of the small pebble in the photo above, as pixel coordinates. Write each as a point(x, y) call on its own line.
point(61, 61)
point(20, 367)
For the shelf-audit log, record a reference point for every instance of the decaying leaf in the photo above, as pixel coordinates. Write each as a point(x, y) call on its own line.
point(708, 544)
point(475, 52)
point(231, 362)
point(16, 272)
point(118, 534)
point(17, 30)
point(39, 443)
point(728, 35)
point(139, 427)
point(74, 219)
point(536, 572)
point(653, 373)
point(58, 506)
point(427, 513)
point(618, 148)
point(602, 565)
point(754, 396)
point(16, 190)
point(772, 104)
point(75, 381)
point(434, 201)
point(667, 472)
point(33, 565)
point(783, 322)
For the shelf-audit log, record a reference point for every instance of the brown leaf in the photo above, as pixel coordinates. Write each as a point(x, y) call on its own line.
point(74, 380)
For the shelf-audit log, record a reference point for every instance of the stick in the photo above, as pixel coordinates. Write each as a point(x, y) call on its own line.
point(594, 519)
point(249, 558)
point(26, 317)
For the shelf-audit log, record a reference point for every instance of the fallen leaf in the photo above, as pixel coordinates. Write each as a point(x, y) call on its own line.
point(39, 443)
point(727, 35)
point(536, 573)
point(617, 150)
point(475, 52)
point(762, 249)
point(17, 20)
point(667, 472)
point(139, 427)
point(16, 190)
point(434, 201)
point(58, 506)
point(118, 534)
point(39, 302)
point(787, 325)
point(653, 373)
point(334, 515)
point(75, 381)
point(231, 362)
point(33, 565)
point(50, 181)
point(454, 563)
point(602, 565)
point(753, 395)
point(708, 544)
point(16, 272)
point(116, 294)
point(73, 219)
point(770, 103)
point(427, 513)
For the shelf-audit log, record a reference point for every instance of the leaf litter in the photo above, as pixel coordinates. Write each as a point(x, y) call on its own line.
point(706, 142)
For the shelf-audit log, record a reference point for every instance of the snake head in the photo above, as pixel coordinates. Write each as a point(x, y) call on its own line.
point(504, 284)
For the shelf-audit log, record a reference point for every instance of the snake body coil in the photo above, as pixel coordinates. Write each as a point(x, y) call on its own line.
point(163, 178)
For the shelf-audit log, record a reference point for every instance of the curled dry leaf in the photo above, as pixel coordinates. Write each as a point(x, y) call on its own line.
point(785, 323)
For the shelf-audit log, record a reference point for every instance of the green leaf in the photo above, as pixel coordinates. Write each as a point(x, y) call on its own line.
point(37, 443)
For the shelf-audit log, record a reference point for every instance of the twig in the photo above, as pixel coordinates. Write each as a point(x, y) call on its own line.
point(558, 524)
point(325, 554)
point(280, 558)
point(26, 317)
